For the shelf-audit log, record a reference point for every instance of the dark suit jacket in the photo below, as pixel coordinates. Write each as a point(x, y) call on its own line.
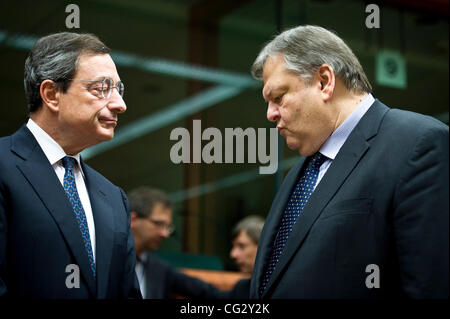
point(39, 236)
point(384, 201)
point(162, 281)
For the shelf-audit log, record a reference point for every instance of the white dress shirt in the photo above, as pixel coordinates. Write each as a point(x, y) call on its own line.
point(55, 154)
point(334, 143)
point(140, 273)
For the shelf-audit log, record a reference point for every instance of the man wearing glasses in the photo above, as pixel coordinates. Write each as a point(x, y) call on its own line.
point(64, 228)
point(151, 223)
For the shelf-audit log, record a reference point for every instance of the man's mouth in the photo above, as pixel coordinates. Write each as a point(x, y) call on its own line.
point(108, 120)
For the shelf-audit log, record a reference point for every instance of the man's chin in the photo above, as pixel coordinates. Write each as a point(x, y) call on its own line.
point(105, 135)
point(302, 149)
point(292, 145)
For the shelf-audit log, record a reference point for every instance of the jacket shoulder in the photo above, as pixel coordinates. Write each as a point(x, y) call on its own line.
point(414, 122)
point(403, 130)
point(5, 153)
point(5, 142)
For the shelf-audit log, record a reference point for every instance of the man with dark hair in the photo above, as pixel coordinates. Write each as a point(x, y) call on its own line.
point(151, 218)
point(151, 222)
point(64, 228)
point(365, 212)
point(245, 237)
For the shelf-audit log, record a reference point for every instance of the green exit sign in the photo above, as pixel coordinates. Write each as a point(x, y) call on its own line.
point(390, 69)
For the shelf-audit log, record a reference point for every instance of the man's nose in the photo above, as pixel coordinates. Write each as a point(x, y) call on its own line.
point(273, 113)
point(165, 232)
point(116, 103)
point(233, 253)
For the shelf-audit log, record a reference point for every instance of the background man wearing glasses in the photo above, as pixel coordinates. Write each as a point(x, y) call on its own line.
point(64, 228)
point(151, 222)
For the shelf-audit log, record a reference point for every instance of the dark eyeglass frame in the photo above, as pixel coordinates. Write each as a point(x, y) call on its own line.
point(170, 228)
point(107, 86)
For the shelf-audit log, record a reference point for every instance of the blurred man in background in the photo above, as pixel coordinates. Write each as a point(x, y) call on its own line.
point(151, 223)
point(245, 237)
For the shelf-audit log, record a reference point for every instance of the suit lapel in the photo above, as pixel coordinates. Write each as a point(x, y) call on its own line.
point(348, 157)
point(42, 177)
point(270, 229)
point(104, 229)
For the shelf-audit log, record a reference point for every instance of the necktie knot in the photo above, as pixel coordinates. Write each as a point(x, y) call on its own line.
point(68, 162)
point(317, 160)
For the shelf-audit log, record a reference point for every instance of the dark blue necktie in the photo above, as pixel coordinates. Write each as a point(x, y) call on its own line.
point(294, 207)
point(71, 190)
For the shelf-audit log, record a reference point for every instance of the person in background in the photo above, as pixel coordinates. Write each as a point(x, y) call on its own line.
point(245, 237)
point(151, 223)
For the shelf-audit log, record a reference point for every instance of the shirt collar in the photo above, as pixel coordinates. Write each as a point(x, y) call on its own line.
point(142, 258)
point(334, 143)
point(52, 150)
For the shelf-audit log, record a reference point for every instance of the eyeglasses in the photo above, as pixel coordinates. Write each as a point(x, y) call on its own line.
point(104, 87)
point(170, 228)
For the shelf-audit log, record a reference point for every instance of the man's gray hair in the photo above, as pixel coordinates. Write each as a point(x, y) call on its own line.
point(54, 57)
point(252, 225)
point(306, 48)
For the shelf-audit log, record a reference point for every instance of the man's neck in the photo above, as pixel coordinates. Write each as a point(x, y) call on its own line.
point(138, 246)
point(58, 135)
point(345, 104)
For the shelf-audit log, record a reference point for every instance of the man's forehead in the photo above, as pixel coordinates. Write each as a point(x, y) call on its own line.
point(98, 65)
point(161, 210)
point(273, 64)
point(243, 236)
point(274, 69)
point(91, 58)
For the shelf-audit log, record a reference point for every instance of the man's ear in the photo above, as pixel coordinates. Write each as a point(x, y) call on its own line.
point(134, 218)
point(327, 80)
point(50, 94)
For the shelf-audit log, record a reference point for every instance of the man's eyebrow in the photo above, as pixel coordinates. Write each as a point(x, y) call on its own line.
point(271, 91)
point(268, 94)
point(99, 78)
point(93, 81)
